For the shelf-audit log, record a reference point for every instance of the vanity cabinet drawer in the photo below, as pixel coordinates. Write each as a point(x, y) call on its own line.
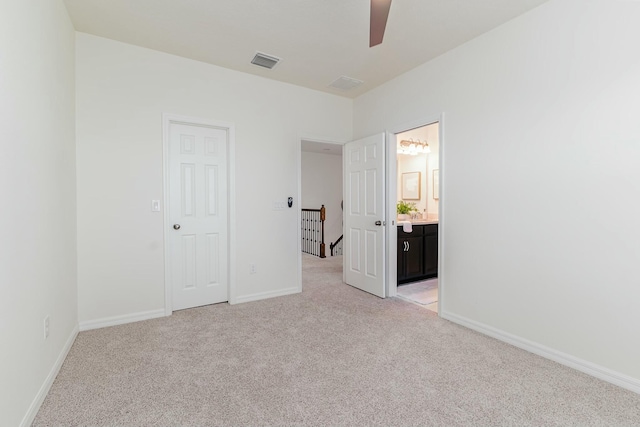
point(418, 230)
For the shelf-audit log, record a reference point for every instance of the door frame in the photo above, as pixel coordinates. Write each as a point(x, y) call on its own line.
point(167, 121)
point(392, 186)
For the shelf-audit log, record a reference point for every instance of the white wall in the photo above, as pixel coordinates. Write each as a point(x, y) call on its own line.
point(38, 215)
point(322, 185)
point(122, 92)
point(541, 123)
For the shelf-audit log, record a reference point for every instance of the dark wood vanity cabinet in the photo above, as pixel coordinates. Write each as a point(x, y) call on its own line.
point(410, 256)
point(431, 250)
point(418, 253)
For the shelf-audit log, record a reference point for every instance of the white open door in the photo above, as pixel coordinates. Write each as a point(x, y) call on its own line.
point(364, 200)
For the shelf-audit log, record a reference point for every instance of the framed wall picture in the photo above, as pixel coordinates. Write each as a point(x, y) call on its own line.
point(411, 186)
point(436, 184)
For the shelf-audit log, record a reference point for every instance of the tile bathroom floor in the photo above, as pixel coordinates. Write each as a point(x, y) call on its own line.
point(423, 293)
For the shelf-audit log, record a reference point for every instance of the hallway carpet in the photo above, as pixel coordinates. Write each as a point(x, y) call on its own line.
point(331, 356)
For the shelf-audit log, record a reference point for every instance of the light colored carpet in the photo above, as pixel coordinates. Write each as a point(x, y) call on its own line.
point(330, 356)
point(424, 292)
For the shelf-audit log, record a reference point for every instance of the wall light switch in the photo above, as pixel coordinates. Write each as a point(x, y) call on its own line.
point(155, 206)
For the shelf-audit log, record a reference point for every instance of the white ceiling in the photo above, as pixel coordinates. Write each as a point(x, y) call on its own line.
point(322, 147)
point(318, 40)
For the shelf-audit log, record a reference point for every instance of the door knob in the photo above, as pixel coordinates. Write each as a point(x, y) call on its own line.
point(378, 223)
point(176, 226)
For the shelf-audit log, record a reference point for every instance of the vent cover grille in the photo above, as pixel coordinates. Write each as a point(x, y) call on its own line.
point(345, 83)
point(264, 60)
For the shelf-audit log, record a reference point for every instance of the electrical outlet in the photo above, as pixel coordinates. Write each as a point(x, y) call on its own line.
point(46, 327)
point(252, 269)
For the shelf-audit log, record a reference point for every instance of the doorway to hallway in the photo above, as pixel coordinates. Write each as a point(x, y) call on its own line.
point(321, 186)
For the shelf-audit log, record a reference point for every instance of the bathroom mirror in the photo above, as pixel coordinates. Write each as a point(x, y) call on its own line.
point(411, 186)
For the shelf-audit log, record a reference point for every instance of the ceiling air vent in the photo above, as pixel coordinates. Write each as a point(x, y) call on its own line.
point(345, 83)
point(264, 60)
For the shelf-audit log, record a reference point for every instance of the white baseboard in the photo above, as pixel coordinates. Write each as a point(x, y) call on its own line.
point(581, 365)
point(48, 382)
point(121, 320)
point(265, 295)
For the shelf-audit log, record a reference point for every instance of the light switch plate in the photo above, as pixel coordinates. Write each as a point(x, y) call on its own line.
point(155, 206)
point(279, 205)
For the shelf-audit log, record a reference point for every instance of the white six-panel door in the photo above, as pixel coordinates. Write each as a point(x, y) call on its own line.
point(198, 214)
point(364, 196)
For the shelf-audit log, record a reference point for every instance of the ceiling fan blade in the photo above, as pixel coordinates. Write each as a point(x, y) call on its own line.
point(379, 15)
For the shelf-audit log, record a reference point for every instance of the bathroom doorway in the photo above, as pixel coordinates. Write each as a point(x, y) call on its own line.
point(418, 214)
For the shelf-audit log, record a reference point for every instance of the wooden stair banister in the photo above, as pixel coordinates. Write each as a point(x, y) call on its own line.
point(323, 216)
point(313, 231)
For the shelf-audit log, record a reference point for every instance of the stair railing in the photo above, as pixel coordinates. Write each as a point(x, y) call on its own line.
point(312, 228)
point(336, 247)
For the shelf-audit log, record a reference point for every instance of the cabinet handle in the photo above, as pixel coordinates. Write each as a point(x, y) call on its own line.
point(407, 246)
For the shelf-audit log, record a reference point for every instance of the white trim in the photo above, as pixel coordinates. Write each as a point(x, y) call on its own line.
point(28, 418)
point(270, 294)
point(122, 319)
point(167, 120)
point(385, 218)
point(231, 168)
point(441, 216)
point(391, 228)
point(168, 292)
point(344, 192)
point(605, 374)
point(298, 205)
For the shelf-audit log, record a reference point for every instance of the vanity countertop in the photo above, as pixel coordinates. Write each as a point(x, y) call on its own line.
point(419, 221)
